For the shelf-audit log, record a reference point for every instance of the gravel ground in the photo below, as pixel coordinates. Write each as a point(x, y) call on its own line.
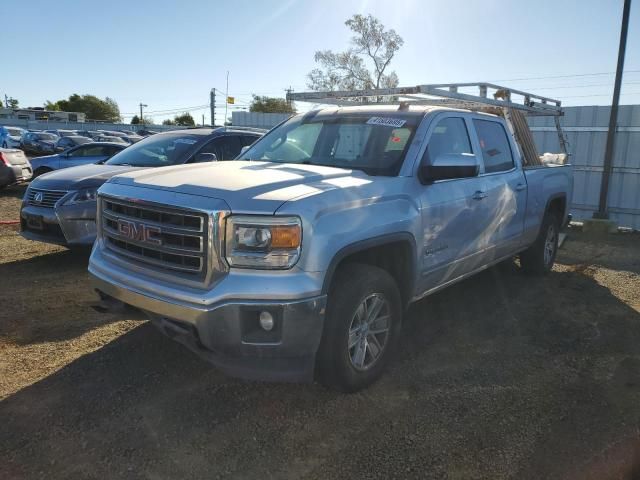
point(501, 376)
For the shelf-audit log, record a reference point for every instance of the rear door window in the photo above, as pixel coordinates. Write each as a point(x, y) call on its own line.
point(496, 150)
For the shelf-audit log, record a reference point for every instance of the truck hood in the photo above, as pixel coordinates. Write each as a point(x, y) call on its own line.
point(246, 186)
point(83, 176)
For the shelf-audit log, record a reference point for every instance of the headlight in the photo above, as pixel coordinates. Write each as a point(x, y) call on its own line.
point(83, 195)
point(263, 242)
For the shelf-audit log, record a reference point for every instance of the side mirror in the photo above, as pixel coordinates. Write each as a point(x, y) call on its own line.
point(205, 157)
point(450, 165)
point(244, 149)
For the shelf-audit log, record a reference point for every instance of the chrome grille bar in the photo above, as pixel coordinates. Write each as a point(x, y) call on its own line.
point(179, 240)
point(48, 198)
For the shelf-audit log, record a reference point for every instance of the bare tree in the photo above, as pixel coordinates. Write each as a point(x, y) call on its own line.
point(370, 44)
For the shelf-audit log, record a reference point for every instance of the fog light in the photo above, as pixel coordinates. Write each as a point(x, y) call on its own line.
point(266, 321)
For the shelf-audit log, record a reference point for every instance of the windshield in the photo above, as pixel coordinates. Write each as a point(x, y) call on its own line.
point(80, 140)
point(372, 143)
point(14, 132)
point(159, 151)
point(46, 136)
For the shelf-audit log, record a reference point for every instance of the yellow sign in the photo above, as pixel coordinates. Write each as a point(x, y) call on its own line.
point(231, 100)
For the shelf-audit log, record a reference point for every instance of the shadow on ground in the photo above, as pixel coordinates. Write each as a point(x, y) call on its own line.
point(500, 376)
point(47, 298)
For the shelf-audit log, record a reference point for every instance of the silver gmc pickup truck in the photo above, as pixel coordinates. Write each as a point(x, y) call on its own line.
point(297, 260)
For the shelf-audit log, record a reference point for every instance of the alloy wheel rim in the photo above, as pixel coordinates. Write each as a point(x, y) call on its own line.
point(369, 332)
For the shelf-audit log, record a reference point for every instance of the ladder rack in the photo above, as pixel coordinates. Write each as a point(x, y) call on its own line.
point(489, 97)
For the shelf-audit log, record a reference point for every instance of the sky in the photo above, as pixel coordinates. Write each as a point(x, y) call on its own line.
point(170, 54)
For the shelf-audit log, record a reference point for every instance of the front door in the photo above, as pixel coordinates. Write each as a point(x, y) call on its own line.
point(454, 213)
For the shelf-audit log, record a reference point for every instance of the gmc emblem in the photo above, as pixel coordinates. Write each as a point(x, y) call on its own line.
point(139, 232)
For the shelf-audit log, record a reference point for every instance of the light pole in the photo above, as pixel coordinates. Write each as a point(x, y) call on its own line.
point(141, 117)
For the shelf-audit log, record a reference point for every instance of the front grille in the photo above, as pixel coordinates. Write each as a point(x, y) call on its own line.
point(44, 198)
point(178, 241)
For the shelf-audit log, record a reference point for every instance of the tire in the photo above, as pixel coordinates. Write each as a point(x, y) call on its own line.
point(354, 286)
point(4, 144)
point(539, 258)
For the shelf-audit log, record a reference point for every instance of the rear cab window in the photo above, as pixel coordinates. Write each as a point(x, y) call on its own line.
point(494, 143)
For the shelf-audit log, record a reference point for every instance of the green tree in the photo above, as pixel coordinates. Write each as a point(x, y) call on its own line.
point(93, 107)
point(168, 121)
point(135, 120)
point(13, 103)
point(371, 45)
point(184, 119)
point(270, 105)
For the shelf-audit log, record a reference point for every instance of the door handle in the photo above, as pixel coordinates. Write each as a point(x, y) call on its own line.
point(521, 186)
point(479, 195)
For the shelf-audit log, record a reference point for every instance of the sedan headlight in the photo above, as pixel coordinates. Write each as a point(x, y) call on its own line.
point(83, 195)
point(263, 242)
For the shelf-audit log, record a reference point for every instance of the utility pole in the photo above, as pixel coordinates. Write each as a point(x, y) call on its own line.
point(212, 106)
point(226, 101)
point(203, 119)
point(602, 212)
point(289, 91)
point(141, 117)
point(6, 101)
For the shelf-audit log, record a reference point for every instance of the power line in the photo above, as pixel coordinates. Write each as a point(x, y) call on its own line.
point(560, 76)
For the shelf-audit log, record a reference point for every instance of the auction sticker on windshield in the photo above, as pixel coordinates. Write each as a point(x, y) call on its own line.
point(188, 141)
point(387, 122)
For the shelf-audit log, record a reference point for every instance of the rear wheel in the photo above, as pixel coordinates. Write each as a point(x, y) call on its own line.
point(362, 325)
point(539, 258)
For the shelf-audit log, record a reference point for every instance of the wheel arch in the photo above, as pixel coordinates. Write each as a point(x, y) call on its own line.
point(395, 253)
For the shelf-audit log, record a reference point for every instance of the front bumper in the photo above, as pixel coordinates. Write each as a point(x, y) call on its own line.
point(69, 225)
point(227, 333)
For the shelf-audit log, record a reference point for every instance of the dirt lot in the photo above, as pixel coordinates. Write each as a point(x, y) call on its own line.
point(501, 376)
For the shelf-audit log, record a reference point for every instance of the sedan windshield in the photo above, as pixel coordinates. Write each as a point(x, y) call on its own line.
point(16, 132)
point(159, 150)
point(374, 144)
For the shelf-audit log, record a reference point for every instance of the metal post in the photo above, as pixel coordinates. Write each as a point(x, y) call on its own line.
point(212, 106)
point(141, 117)
point(613, 118)
point(226, 101)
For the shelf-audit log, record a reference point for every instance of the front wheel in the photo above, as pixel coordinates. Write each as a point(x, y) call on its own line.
point(363, 320)
point(40, 171)
point(539, 258)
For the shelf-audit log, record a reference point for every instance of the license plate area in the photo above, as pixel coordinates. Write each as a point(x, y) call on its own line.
point(34, 222)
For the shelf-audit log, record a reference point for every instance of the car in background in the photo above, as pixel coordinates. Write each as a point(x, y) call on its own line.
point(131, 139)
point(10, 137)
point(111, 139)
point(90, 133)
point(38, 143)
point(145, 133)
point(14, 167)
point(62, 133)
point(65, 143)
point(92, 152)
point(60, 207)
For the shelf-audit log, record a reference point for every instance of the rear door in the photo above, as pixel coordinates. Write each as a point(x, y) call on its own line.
point(505, 185)
point(454, 215)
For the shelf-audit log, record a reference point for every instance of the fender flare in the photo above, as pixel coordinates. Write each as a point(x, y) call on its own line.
point(363, 245)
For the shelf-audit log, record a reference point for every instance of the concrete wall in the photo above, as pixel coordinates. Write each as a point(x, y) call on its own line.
point(257, 119)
